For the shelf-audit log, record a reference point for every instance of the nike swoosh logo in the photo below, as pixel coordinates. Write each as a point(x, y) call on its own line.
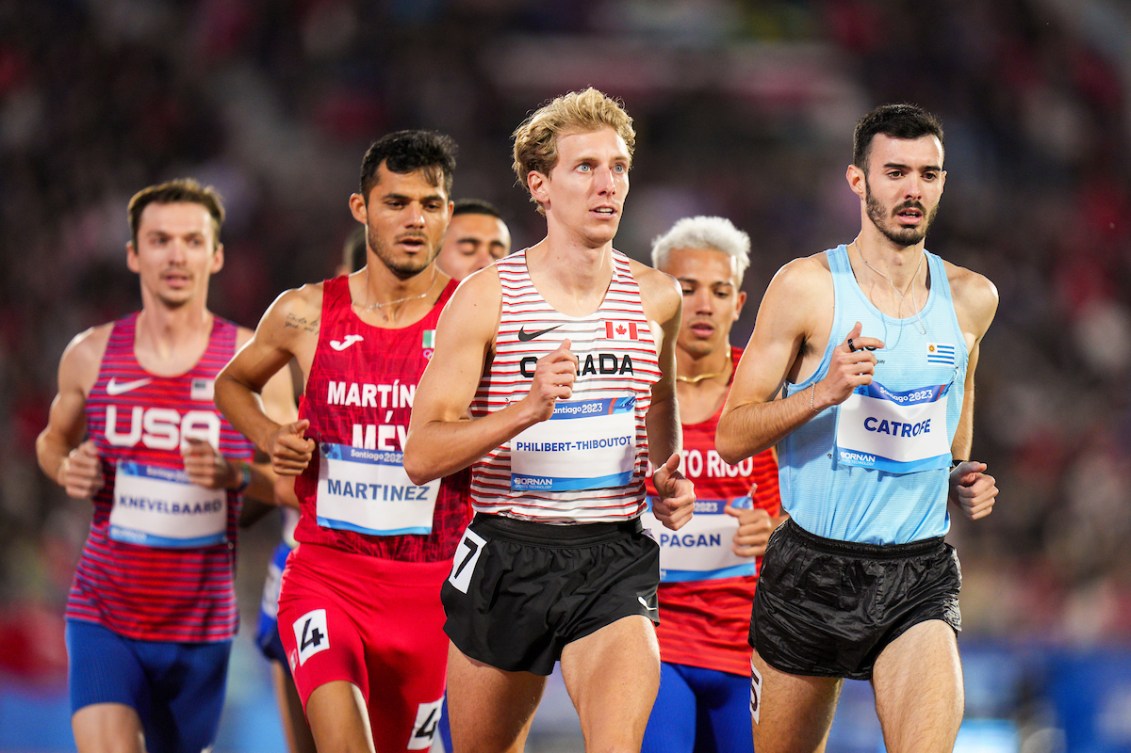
point(349, 340)
point(114, 387)
point(645, 604)
point(524, 336)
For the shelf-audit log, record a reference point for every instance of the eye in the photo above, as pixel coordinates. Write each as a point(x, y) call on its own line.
point(620, 169)
point(585, 167)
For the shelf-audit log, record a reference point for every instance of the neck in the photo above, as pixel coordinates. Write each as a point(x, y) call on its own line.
point(712, 367)
point(170, 338)
point(889, 263)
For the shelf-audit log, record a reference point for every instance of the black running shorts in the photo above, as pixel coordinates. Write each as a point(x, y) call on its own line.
point(828, 608)
point(520, 591)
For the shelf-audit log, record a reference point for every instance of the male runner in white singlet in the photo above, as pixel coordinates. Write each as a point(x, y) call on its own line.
point(553, 380)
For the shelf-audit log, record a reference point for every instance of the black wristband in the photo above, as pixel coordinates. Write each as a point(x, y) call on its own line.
point(954, 463)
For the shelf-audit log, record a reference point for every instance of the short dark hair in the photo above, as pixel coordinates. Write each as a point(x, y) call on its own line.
point(475, 206)
point(899, 121)
point(176, 191)
point(408, 151)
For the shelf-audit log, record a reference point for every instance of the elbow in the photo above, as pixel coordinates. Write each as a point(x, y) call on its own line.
point(419, 471)
point(729, 451)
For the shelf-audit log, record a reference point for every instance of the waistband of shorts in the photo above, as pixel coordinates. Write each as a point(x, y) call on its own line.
point(863, 551)
point(555, 534)
point(332, 562)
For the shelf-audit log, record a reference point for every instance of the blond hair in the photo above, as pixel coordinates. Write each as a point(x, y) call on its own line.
point(536, 139)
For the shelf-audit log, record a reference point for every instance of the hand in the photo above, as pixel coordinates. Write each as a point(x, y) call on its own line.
point(206, 467)
point(80, 473)
point(291, 451)
point(852, 365)
point(675, 502)
point(973, 490)
point(554, 375)
point(754, 528)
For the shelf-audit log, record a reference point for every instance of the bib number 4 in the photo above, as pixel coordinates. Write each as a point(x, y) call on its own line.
point(311, 634)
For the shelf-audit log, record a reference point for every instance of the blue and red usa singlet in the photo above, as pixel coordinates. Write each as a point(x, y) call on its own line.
point(706, 593)
point(158, 562)
point(355, 494)
point(587, 463)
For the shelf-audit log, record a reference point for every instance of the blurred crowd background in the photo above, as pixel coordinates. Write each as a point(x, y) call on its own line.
point(743, 109)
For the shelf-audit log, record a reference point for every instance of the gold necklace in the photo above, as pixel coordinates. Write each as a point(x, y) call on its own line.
point(919, 325)
point(378, 305)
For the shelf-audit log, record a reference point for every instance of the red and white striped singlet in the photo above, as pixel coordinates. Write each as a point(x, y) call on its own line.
point(591, 468)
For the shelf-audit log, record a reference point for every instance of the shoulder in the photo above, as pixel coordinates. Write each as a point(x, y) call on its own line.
point(82, 358)
point(480, 287)
point(298, 307)
point(803, 273)
point(802, 284)
point(656, 288)
point(975, 297)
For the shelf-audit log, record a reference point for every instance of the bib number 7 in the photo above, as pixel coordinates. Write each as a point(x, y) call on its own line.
point(467, 554)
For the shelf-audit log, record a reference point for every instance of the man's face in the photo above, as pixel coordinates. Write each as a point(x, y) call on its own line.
point(472, 242)
point(405, 218)
point(712, 299)
point(903, 186)
point(586, 189)
point(175, 254)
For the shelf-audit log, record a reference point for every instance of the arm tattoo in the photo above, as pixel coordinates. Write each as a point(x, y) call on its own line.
point(300, 322)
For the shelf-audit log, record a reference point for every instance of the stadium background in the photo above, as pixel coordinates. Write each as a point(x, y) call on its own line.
point(743, 109)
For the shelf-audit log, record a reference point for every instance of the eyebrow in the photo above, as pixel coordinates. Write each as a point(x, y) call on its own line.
point(901, 166)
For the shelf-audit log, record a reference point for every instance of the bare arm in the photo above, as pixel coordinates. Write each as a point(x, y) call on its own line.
point(207, 467)
point(663, 303)
point(442, 437)
point(976, 301)
point(62, 454)
point(288, 329)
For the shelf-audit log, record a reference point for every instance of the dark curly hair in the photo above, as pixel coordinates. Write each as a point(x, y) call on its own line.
point(407, 151)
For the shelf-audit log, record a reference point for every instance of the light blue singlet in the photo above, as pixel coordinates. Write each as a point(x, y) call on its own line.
point(874, 470)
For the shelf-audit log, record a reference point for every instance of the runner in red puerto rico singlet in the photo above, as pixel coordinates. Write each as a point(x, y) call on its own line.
point(158, 562)
point(706, 591)
point(360, 595)
point(570, 469)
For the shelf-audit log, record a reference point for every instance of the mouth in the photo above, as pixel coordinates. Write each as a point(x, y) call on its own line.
point(701, 329)
point(605, 211)
point(910, 215)
point(412, 243)
point(175, 279)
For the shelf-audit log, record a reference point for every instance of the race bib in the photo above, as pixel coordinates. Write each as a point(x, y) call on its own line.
point(160, 507)
point(586, 444)
point(701, 549)
point(368, 491)
point(897, 432)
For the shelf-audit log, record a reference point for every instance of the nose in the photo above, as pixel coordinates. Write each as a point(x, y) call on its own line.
point(415, 216)
point(701, 301)
point(177, 251)
point(605, 182)
point(914, 187)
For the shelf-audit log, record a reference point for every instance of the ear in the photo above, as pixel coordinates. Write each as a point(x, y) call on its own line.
point(218, 258)
point(536, 183)
point(358, 208)
point(740, 301)
point(131, 257)
point(857, 181)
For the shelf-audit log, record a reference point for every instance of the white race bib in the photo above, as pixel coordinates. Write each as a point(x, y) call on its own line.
point(701, 549)
point(897, 432)
point(586, 444)
point(368, 491)
point(160, 507)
